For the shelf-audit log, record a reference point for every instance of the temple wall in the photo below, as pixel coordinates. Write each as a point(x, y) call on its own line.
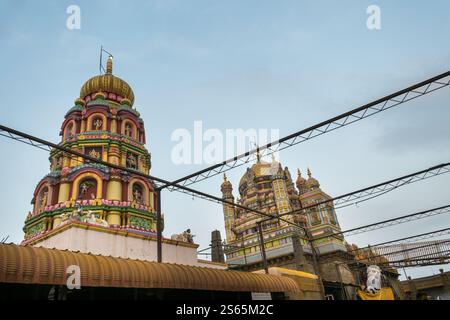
point(121, 246)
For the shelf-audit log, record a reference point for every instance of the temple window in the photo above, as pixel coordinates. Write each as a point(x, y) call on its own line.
point(87, 190)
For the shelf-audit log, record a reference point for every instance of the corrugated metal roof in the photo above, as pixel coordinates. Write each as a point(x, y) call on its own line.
point(32, 265)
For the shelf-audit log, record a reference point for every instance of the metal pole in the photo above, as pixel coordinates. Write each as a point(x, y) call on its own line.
point(338, 271)
point(245, 254)
point(299, 255)
point(315, 262)
point(263, 249)
point(159, 224)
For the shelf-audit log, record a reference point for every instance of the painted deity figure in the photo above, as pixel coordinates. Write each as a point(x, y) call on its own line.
point(131, 161)
point(94, 154)
point(128, 130)
point(137, 195)
point(84, 188)
point(315, 217)
point(98, 123)
point(44, 200)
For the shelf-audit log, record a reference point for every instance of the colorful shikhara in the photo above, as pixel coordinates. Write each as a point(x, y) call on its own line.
point(102, 124)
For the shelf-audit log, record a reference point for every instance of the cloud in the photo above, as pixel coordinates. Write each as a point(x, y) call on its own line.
point(420, 129)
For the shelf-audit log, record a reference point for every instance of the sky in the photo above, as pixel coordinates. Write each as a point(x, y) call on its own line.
point(282, 65)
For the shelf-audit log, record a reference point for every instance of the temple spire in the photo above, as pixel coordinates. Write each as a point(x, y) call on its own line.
point(258, 156)
point(109, 65)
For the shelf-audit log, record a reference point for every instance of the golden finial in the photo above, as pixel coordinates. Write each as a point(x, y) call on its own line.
point(224, 177)
point(298, 172)
point(109, 65)
point(309, 173)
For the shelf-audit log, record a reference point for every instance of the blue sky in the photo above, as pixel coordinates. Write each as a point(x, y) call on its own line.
point(239, 64)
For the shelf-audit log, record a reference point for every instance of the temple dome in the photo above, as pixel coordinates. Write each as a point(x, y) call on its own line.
point(300, 180)
point(108, 83)
point(260, 169)
point(312, 183)
point(226, 185)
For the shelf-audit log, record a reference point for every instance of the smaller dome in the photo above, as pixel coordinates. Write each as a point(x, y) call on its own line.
point(79, 102)
point(312, 182)
point(226, 185)
point(262, 168)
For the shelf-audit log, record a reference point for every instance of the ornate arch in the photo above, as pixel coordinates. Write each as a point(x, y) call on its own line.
point(145, 188)
point(134, 128)
point(84, 176)
point(91, 122)
point(42, 195)
point(70, 124)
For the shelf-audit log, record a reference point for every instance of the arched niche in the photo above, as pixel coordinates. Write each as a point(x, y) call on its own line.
point(87, 186)
point(69, 129)
point(138, 191)
point(97, 122)
point(42, 198)
point(129, 129)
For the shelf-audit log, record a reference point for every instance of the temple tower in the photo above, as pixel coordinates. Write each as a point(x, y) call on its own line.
point(216, 247)
point(103, 124)
point(228, 211)
point(280, 192)
point(320, 220)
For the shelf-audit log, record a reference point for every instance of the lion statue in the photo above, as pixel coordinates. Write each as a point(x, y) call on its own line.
point(186, 236)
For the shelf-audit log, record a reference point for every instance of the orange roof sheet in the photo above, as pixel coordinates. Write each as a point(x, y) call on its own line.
point(33, 265)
